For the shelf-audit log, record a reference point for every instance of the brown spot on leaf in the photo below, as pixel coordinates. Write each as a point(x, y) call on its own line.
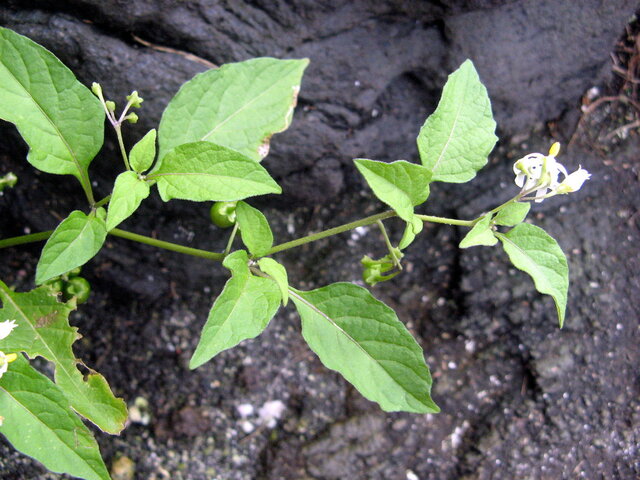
point(46, 319)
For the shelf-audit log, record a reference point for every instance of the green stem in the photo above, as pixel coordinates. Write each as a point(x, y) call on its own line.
point(102, 202)
point(332, 231)
point(123, 151)
point(447, 221)
point(174, 247)
point(392, 252)
point(231, 239)
point(22, 239)
point(86, 186)
point(35, 237)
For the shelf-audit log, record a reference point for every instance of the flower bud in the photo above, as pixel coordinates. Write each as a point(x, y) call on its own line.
point(134, 100)
point(132, 118)
point(96, 89)
point(111, 106)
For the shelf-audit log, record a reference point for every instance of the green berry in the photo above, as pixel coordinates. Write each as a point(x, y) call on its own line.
point(223, 214)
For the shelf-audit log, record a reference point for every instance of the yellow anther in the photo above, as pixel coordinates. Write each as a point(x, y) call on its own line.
point(554, 150)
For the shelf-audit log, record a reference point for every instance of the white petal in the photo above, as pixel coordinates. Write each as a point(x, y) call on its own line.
point(6, 327)
point(520, 178)
point(4, 365)
point(574, 181)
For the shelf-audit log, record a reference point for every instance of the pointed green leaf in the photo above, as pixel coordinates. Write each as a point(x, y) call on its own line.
point(142, 154)
point(43, 330)
point(480, 234)
point(128, 193)
point(59, 118)
point(412, 229)
point(241, 311)
point(278, 273)
point(254, 229)
point(512, 214)
point(455, 141)
point(202, 171)
point(76, 241)
point(532, 250)
point(239, 105)
point(39, 422)
point(401, 185)
point(362, 339)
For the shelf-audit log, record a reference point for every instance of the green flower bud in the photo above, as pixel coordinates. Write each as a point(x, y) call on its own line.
point(111, 106)
point(96, 89)
point(134, 99)
point(132, 118)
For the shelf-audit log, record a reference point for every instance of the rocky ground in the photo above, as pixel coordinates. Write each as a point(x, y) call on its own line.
point(519, 397)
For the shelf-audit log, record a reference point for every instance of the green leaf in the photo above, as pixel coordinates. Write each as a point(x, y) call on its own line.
point(512, 214)
point(401, 185)
point(128, 193)
point(202, 171)
point(43, 330)
point(241, 311)
point(455, 141)
point(58, 117)
point(142, 154)
point(278, 273)
point(239, 105)
point(76, 241)
point(362, 339)
point(254, 229)
point(480, 234)
point(533, 251)
point(412, 229)
point(40, 423)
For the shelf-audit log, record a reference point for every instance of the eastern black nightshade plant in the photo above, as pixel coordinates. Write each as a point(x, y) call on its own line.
point(208, 148)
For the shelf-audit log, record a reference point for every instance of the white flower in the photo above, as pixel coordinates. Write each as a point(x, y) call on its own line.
point(5, 360)
point(6, 327)
point(271, 412)
point(541, 172)
point(574, 181)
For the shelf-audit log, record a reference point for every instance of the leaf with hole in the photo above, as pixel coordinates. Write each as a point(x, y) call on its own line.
point(43, 330)
point(239, 105)
point(40, 423)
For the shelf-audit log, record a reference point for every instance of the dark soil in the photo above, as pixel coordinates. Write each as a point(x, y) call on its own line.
point(520, 398)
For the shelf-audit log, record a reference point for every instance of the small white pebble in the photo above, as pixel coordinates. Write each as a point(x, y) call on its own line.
point(245, 410)
point(452, 365)
point(412, 476)
point(271, 412)
point(247, 426)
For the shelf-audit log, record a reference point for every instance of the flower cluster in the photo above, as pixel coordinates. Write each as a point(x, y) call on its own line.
point(541, 173)
point(5, 359)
